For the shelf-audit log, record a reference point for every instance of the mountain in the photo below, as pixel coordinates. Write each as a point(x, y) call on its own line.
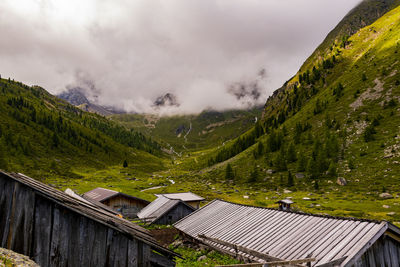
point(167, 100)
point(334, 124)
point(41, 134)
point(184, 133)
point(77, 97)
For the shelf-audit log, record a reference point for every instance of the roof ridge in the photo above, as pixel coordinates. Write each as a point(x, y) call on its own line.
point(304, 213)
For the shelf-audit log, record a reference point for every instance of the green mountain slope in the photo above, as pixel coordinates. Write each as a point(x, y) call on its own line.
point(337, 118)
point(365, 13)
point(42, 135)
point(186, 133)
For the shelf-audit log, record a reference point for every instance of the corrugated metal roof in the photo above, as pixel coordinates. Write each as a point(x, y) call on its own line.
point(157, 208)
point(100, 215)
point(187, 196)
point(99, 194)
point(280, 234)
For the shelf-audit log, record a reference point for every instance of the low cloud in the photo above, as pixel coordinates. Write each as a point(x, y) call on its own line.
point(129, 53)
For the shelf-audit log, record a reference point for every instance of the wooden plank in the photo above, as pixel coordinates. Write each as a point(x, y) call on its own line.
point(21, 224)
point(99, 250)
point(42, 231)
point(133, 253)
point(86, 236)
point(146, 255)
point(251, 252)
point(75, 250)
point(6, 197)
point(159, 260)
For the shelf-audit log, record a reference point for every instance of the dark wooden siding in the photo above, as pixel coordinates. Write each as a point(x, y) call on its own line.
point(54, 235)
point(175, 214)
point(129, 207)
point(384, 252)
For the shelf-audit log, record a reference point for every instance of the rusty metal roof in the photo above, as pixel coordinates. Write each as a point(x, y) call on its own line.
point(187, 196)
point(280, 234)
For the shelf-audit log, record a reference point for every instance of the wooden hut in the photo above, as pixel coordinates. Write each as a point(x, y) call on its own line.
point(187, 197)
point(165, 210)
point(265, 235)
point(55, 229)
point(125, 204)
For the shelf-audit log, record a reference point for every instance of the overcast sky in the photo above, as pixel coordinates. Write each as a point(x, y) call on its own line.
point(129, 52)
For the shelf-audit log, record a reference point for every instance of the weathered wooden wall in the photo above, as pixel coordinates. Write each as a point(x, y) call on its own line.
point(127, 206)
point(384, 252)
point(54, 235)
point(194, 204)
point(175, 214)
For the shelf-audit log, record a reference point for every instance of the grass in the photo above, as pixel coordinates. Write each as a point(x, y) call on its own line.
point(195, 258)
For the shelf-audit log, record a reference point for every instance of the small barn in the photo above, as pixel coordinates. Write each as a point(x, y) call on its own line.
point(56, 229)
point(125, 204)
point(187, 197)
point(264, 235)
point(165, 210)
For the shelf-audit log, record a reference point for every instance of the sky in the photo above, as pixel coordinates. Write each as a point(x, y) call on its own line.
point(209, 54)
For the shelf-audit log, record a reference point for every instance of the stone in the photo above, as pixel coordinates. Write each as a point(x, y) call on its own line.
point(341, 181)
point(285, 191)
point(299, 175)
point(246, 197)
point(202, 258)
point(385, 196)
point(386, 206)
point(266, 198)
point(270, 171)
point(391, 213)
point(306, 198)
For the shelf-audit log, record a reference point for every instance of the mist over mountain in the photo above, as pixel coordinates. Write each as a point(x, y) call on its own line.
point(128, 52)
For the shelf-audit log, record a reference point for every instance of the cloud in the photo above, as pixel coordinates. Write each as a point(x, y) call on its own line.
point(129, 53)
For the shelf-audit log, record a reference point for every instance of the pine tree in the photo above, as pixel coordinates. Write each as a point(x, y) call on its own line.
point(312, 168)
point(332, 169)
point(253, 175)
point(291, 153)
point(280, 160)
point(229, 172)
point(290, 182)
point(125, 164)
point(301, 163)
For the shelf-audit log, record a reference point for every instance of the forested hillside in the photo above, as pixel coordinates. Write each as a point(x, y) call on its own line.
point(41, 133)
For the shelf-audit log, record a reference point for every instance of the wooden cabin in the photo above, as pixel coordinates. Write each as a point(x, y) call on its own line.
point(263, 235)
point(187, 197)
point(56, 229)
point(165, 210)
point(125, 204)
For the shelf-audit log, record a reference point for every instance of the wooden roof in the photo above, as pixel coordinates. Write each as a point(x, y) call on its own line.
point(91, 211)
point(103, 194)
point(159, 207)
point(186, 196)
point(281, 234)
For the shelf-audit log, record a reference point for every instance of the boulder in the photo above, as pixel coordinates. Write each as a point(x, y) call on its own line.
point(306, 198)
point(386, 206)
point(202, 258)
point(341, 181)
point(287, 191)
point(385, 196)
point(246, 197)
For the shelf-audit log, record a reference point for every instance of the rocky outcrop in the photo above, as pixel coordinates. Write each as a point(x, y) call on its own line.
point(11, 258)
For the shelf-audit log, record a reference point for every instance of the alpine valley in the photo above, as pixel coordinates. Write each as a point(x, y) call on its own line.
point(329, 138)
